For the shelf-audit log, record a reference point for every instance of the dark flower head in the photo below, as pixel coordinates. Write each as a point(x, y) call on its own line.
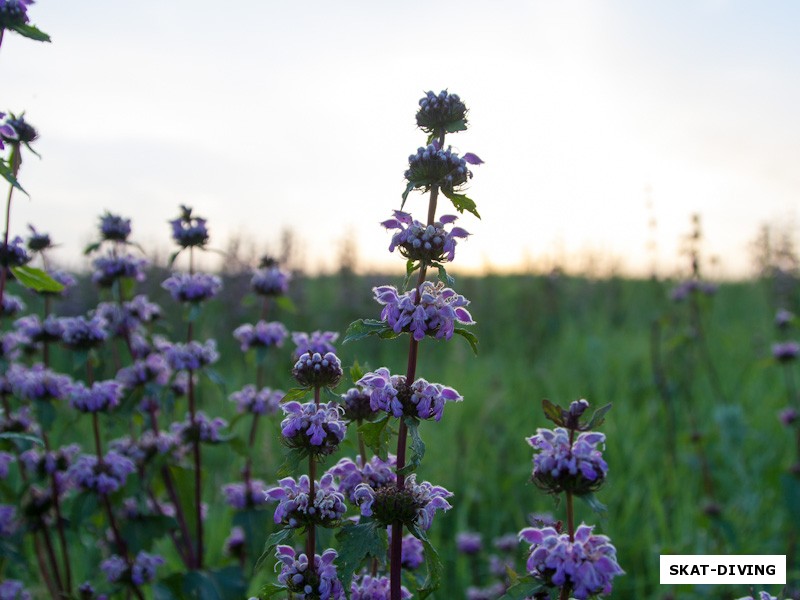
point(317, 429)
point(235, 544)
point(368, 587)
point(13, 254)
point(783, 318)
point(441, 113)
point(422, 400)
point(242, 496)
point(269, 279)
point(357, 405)
point(315, 370)
point(260, 335)
point(560, 466)
point(141, 309)
point(432, 166)
point(80, 333)
point(101, 478)
point(109, 269)
point(321, 583)
point(424, 243)
point(788, 416)
point(469, 542)
point(11, 306)
point(785, 352)
point(188, 230)
point(195, 287)
point(143, 570)
point(38, 241)
point(296, 507)
point(317, 341)
point(413, 505)
point(24, 132)
point(257, 402)
point(114, 228)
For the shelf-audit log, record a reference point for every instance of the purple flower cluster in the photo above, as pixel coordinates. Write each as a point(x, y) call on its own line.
point(37, 383)
point(188, 230)
point(109, 269)
point(270, 281)
point(195, 287)
point(102, 396)
point(783, 318)
point(560, 466)
point(319, 342)
point(234, 544)
point(422, 399)
point(324, 586)
point(316, 428)
point(761, 596)
point(435, 311)
point(425, 243)
point(8, 521)
point(316, 370)
point(23, 131)
point(81, 333)
point(103, 478)
point(13, 254)
point(203, 429)
point(49, 462)
point(143, 570)
point(357, 406)
point(241, 495)
point(376, 473)
point(257, 402)
point(412, 552)
point(469, 542)
point(432, 165)
point(297, 509)
point(114, 228)
point(692, 286)
point(438, 111)
point(50, 330)
point(11, 306)
point(37, 242)
point(13, 589)
point(5, 461)
point(416, 504)
point(190, 356)
point(151, 369)
point(260, 335)
point(367, 587)
point(785, 352)
point(141, 309)
point(587, 566)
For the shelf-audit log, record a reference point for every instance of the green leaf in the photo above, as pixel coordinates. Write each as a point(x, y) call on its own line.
point(295, 394)
point(411, 266)
point(598, 417)
point(290, 462)
point(331, 395)
point(417, 447)
point(443, 276)
point(173, 257)
point(433, 564)
point(356, 372)
point(194, 310)
point(93, 247)
point(525, 588)
point(269, 590)
point(791, 494)
point(8, 174)
point(31, 32)
point(285, 303)
point(45, 414)
point(454, 126)
point(593, 503)
point(256, 524)
point(36, 279)
point(21, 437)
point(357, 542)
point(275, 539)
point(553, 412)
point(469, 336)
point(362, 328)
point(142, 532)
point(462, 203)
point(183, 480)
point(216, 378)
point(376, 436)
point(409, 187)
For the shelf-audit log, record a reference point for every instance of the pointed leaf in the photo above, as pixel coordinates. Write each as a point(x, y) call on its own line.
point(91, 248)
point(362, 328)
point(469, 336)
point(526, 587)
point(433, 564)
point(31, 32)
point(356, 372)
point(36, 279)
point(357, 542)
point(273, 540)
point(443, 276)
point(21, 437)
point(173, 257)
point(598, 417)
point(553, 412)
point(462, 203)
point(376, 436)
point(455, 126)
point(295, 394)
point(593, 503)
point(269, 590)
point(417, 447)
point(285, 303)
point(409, 187)
point(8, 174)
point(291, 461)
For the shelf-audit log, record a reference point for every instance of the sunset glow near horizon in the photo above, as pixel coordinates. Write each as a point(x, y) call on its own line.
point(593, 119)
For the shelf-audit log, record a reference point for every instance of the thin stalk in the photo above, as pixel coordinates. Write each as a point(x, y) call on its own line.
point(51, 556)
point(311, 541)
point(119, 540)
point(15, 164)
point(97, 445)
point(198, 477)
point(48, 580)
point(62, 538)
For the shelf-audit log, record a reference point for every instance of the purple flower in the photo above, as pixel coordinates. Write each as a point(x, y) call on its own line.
point(506, 543)
point(788, 416)
point(469, 542)
point(432, 166)
point(499, 566)
point(257, 402)
point(692, 286)
point(761, 596)
point(316, 428)
point(148, 445)
point(436, 313)
point(82, 334)
point(13, 254)
point(422, 399)
point(234, 544)
point(191, 356)
point(11, 345)
point(188, 230)
point(103, 478)
point(18, 422)
point(241, 495)
point(51, 330)
point(296, 508)
point(152, 369)
point(24, 132)
point(8, 523)
point(5, 460)
point(269, 280)
point(578, 468)
point(367, 587)
point(357, 405)
point(102, 396)
point(11, 306)
point(318, 341)
point(325, 585)
point(376, 473)
point(7, 133)
point(785, 351)
point(442, 112)
point(260, 335)
point(144, 568)
point(783, 318)
point(12, 589)
point(109, 269)
point(412, 553)
point(114, 228)
point(492, 592)
point(38, 383)
point(416, 504)
point(196, 287)
point(205, 429)
point(426, 243)
point(316, 370)
point(38, 242)
point(586, 565)
point(141, 309)
point(46, 463)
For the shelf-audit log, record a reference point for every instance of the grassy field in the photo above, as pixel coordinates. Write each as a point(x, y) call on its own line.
point(565, 338)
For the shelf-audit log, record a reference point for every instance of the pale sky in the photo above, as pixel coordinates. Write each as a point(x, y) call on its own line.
point(265, 115)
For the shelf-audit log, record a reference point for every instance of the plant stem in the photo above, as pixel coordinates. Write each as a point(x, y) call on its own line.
point(15, 161)
point(59, 520)
point(48, 580)
point(311, 541)
point(122, 547)
point(51, 555)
